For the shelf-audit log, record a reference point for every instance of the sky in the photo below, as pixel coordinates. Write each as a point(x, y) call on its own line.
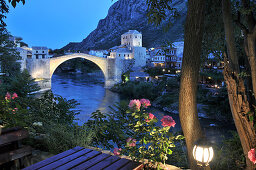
point(55, 23)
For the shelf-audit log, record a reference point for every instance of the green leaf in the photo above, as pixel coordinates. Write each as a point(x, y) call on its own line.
point(179, 137)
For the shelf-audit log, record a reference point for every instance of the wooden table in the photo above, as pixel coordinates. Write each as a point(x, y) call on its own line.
point(82, 158)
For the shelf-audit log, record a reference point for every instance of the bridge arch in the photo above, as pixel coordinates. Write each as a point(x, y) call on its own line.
point(99, 61)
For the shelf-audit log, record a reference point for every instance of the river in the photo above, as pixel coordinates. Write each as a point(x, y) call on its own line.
point(89, 91)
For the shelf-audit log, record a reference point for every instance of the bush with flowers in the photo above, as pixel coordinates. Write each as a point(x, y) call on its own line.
point(11, 111)
point(136, 133)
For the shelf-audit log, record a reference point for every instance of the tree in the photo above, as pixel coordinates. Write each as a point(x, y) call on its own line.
point(242, 106)
point(190, 67)
point(189, 76)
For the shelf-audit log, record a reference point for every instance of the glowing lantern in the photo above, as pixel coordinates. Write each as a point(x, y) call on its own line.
point(203, 152)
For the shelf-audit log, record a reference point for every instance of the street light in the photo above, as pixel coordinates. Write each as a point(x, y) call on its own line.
point(203, 152)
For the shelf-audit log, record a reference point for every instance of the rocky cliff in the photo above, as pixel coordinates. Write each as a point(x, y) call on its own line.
point(127, 15)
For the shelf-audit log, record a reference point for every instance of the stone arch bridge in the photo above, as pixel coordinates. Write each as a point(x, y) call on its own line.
point(43, 69)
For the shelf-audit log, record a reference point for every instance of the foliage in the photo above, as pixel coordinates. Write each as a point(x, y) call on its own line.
point(60, 137)
point(144, 139)
point(213, 73)
point(154, 71)
point(52, 107)
point(22, 83)
point(12, 114)
point(158, 10)
point(229, 155)
point(137, 89)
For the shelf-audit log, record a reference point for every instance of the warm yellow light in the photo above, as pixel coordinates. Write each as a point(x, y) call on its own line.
point(39, 79)
point(163, 69)
point(203, 154)
point(209, 78)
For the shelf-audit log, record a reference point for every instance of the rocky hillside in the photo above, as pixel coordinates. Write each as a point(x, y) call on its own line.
point(127, 15)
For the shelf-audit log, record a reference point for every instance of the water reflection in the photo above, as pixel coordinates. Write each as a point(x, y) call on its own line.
point(89, 91)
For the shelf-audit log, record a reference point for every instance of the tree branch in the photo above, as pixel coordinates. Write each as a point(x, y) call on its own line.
point(242, 26)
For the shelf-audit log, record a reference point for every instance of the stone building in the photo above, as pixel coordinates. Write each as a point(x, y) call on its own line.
point(40, 53)
point(130, 48)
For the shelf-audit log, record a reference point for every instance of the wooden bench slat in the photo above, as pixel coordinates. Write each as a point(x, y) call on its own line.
point(16, 154)
point(54, 158)
point(79, 160)
point(131, 165)
point(66, 159)
point(13, 136)
point(92, 161)
point(118, 164)
point(105, 163)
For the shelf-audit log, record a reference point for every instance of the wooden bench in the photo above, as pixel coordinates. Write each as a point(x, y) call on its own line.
point(12, 153)
point(82, 158)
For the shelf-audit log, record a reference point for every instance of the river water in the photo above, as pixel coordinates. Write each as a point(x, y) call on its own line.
point(89, 91)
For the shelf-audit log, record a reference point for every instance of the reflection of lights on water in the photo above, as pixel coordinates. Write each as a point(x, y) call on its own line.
point(39, 79)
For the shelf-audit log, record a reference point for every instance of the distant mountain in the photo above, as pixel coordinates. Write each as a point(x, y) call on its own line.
point(127, 15)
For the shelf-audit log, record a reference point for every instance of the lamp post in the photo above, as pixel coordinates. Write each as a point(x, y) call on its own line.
point(203, 152)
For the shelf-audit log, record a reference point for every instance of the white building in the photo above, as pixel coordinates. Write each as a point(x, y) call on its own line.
point(130, 48)
point(40, 53)
point(25, 53)
point(99, 53)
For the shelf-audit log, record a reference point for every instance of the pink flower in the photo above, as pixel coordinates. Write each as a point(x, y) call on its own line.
point(135, 104)
point(117, 151)
point(14, 110)
point(131, 142)
point(168, 121)
point(14, 96)
point(252, 156)
point(150, 117)
point(7, 96)
point(145, 102)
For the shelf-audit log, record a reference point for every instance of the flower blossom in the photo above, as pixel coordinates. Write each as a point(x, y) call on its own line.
point(150, 117)
point(7, 96)
point(117, 151)
point(168, 121)
point(14, 110)
point(135, 104)
point(14, 95)
point(252, 155)
point(131, 142)
point(145, 103)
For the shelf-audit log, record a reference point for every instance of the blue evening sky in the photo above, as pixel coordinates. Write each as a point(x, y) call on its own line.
point(55, 23)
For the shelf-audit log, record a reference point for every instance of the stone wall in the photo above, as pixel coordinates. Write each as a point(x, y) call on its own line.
point(38, 68)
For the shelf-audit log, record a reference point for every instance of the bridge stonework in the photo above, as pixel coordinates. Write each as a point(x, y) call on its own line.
point(43, 69)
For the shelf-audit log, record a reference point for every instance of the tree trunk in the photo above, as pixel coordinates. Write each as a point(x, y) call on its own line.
point(189, 76)
point(252, 59)
point(238, 99)
point(240, 111)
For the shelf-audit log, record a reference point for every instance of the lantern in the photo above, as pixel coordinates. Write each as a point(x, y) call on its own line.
point(203, 152)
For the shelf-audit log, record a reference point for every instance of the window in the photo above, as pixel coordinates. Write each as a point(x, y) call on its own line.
point(36, 51)
point(43, 56)
point(135, 36)
point(130, 36)
point(119, 55)
point(36, 56)
point(42, 51)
